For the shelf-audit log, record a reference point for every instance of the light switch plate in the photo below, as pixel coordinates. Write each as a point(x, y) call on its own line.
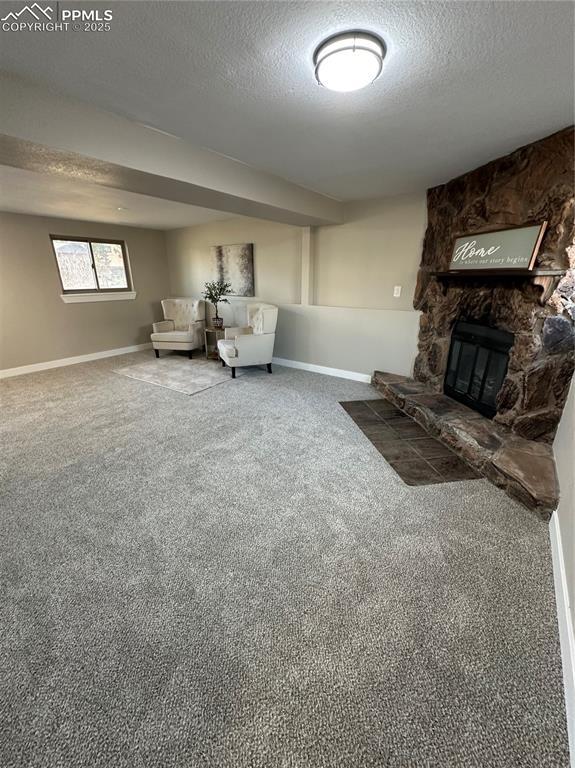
point(396, 291)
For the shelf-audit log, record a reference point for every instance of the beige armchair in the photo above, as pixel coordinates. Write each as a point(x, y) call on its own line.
point(183, 326)
point(252, 344)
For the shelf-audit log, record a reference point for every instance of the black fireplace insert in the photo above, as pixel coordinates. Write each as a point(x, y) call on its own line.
point(477, 365)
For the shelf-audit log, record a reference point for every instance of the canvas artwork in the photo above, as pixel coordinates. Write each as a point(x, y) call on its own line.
point(235, 264)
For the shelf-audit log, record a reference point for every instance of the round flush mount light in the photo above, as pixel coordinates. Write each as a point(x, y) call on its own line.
point(349, 61)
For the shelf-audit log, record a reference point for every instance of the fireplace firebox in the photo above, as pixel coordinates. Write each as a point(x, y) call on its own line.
point(477, 365)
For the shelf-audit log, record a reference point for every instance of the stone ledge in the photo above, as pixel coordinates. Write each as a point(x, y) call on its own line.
point(524, 468)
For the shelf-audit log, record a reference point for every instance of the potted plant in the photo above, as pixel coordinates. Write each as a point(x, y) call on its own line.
point(216, 292)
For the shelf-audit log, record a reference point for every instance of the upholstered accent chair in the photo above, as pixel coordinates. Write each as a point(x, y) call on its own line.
point(183, 326)
point(252, 344)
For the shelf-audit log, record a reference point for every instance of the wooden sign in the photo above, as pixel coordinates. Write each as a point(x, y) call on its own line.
point(500, 249)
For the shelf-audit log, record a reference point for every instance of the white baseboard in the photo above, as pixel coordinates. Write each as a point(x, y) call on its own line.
point(35, 367)
point(566, 629)
point(323, 369)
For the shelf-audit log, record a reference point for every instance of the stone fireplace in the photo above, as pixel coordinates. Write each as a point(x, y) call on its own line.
point(516, 331)
point(533, 184)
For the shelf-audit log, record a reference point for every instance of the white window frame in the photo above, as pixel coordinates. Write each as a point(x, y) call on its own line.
point(102, 294)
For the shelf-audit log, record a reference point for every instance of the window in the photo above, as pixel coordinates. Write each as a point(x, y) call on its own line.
point(91, 266)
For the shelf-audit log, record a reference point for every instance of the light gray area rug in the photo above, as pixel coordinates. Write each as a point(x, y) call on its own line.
point(239, 580)
point(178, 372)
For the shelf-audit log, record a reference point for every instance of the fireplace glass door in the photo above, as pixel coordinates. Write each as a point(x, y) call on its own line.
point(477, 365)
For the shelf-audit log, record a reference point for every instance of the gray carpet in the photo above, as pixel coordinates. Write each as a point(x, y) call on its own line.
point(239, 579)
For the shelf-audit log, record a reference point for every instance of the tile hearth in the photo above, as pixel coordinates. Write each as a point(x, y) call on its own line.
point(417, 458)
point(525, 469)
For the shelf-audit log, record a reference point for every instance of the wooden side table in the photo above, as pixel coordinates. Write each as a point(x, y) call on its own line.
point(211, 338)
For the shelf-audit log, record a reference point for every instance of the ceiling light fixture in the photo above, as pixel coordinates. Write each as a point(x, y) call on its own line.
point(349, 61)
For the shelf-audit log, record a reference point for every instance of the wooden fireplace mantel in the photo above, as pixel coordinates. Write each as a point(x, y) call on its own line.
point(545, 279)
point(491, 273)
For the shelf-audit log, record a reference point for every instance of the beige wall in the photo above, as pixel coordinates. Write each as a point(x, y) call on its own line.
point(564, 449)
point(358, 263)
point(277, 256)
point(563, 524)
point(358, 340)
point(353, 268)
point(37, 326)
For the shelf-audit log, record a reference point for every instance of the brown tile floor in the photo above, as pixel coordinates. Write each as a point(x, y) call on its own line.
point(417, 458)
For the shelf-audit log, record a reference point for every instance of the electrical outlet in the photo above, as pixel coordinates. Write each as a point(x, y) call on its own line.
point(396, 291)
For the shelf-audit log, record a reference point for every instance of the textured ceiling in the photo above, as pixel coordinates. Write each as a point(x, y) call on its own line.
point(43, 195)
point(463, 83)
